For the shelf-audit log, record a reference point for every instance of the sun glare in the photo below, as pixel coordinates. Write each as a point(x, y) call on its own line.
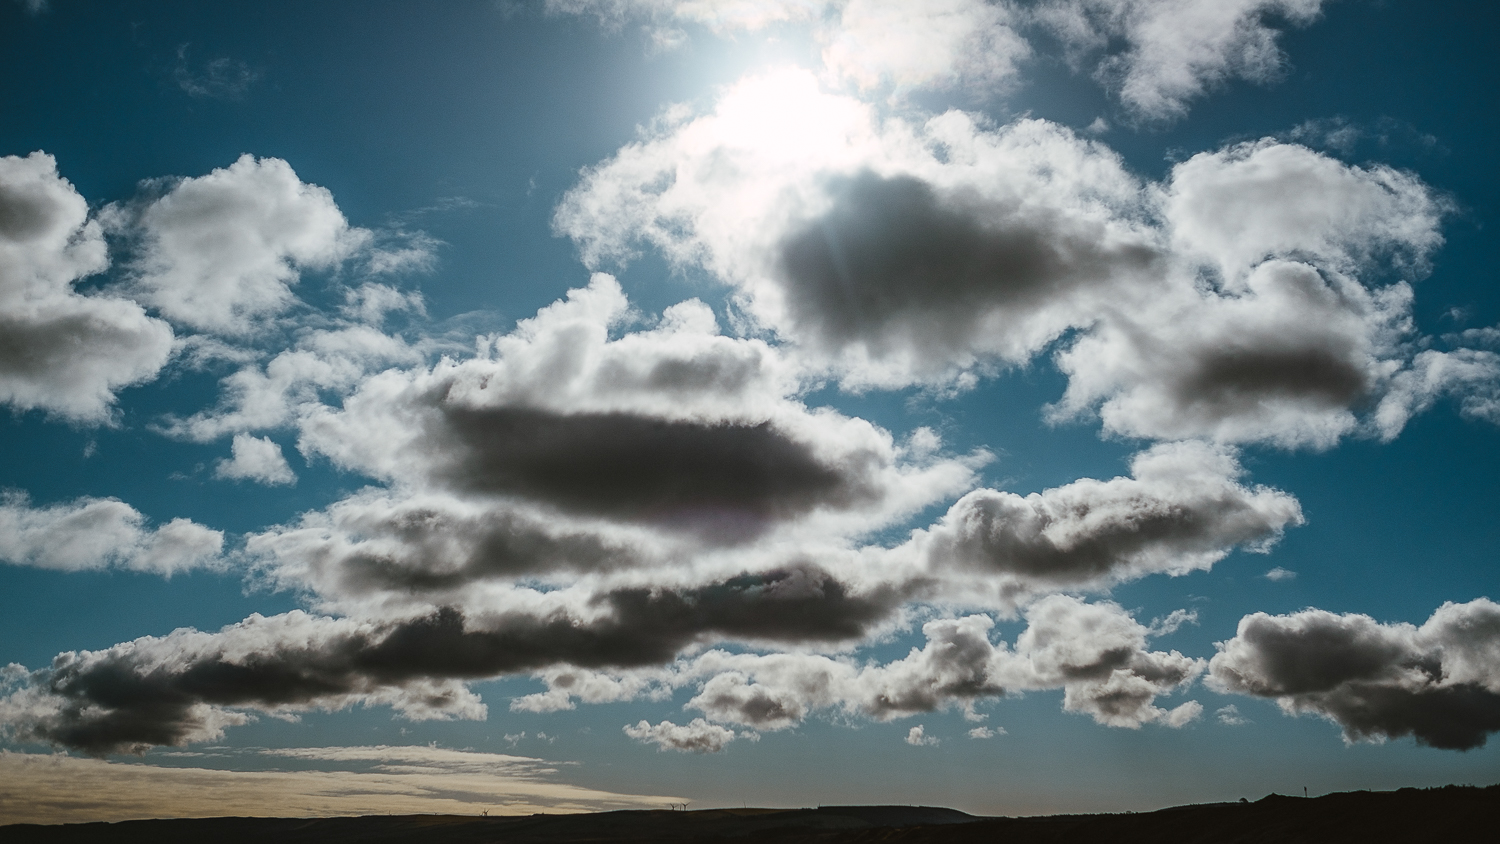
point(785, 115)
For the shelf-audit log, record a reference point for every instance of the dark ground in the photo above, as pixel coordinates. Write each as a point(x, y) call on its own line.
point(1448, 814)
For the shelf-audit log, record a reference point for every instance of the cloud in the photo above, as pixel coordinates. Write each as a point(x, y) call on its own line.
point(698, 736)
point(1173, 51)
point(1155, 55)
point(1230, 716)
point(294, 381)
point(1280, 343)
point(189, 685)
point(917, 737)
point(1472, 376)
point(986, 732)
point(346, 781)
point(901, 253)
point(97, 533)
point(967, 44)
point(1249, 202)
point(895, 270)
point(677, 427)
point(60, 351)
point(1279, 574)
point(1258, 294)
point(256, 459)
point(1287, 362)
point(1096, 653)
point(222, 78)
point(1182, 510)
point(220, 252)
point(1439, 682)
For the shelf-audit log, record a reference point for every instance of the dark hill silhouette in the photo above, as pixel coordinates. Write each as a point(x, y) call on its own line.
point(1448, 814)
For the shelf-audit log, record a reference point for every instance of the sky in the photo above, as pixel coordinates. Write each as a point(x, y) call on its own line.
point(1021, 407)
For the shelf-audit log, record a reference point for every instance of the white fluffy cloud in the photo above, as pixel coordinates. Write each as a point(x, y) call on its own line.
point(294, 381)
point(1154, 55)
point(97, 533)
point(1439, 682)
point(256, 459)
point(1184, 509)
point(1241, 205)
point(698, 736)
point(220, 252)
point(933, 44)
point(1173, 50)
point(1288, 360)
point(60, 351)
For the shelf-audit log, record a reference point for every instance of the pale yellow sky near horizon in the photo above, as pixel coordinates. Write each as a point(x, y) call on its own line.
point(57, 788)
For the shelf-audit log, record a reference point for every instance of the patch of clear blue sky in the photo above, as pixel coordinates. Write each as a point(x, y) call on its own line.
point(398, 109)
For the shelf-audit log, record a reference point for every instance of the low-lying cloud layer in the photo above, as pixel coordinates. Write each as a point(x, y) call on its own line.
point(342, 781)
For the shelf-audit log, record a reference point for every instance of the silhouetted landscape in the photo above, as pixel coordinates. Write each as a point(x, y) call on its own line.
point(1450, 813)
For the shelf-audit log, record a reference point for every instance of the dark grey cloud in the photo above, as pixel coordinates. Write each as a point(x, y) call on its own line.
point(1439, 682)
point(634, 467)
point(1321, 372)
point(175, 689)
point(894, 263)
point(372, 544)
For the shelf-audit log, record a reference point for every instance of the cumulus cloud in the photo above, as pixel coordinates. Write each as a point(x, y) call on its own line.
point(278, 392)
point(698, 736)
point(986, 732)
point(971, 44)
point(60, 351)
point(676, 427)
point(1279, 574)
point(1288, 361)
point(1439, 682)
point(1241, 205)
point(256, 459)
point(1096, 653)
point(1281, 343)
point(97, 533)
point(1173, 51)
point(220, 252)
point(1155, 55)
point(917, 737)
point(1230, 716)
point(900, 252)
point(1183, 510)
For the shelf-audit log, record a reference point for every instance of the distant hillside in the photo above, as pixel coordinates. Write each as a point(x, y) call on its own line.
point(1450, 814)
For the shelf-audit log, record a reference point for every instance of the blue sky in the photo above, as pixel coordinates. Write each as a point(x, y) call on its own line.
point(1022, 407)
